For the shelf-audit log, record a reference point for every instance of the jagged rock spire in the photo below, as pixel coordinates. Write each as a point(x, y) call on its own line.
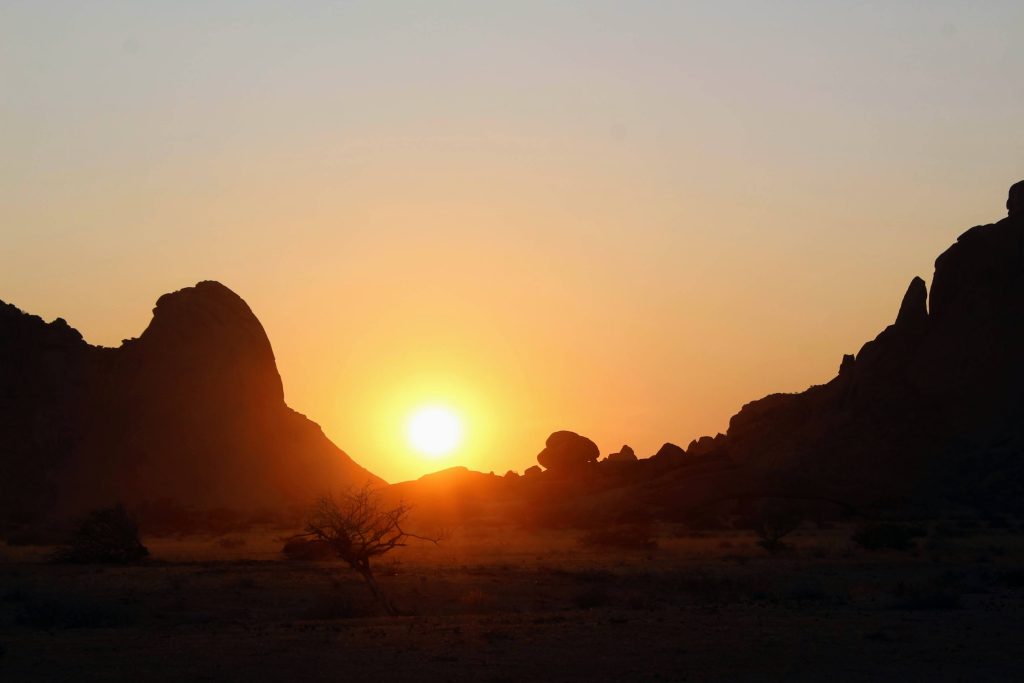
point(1015, 202)
point(914, 308)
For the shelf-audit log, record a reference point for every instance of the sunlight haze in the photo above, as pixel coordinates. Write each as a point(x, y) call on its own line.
point(621, 219)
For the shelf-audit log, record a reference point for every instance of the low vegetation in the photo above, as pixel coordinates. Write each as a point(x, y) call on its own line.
point(887, 536)
point(481, 601)
point(106, 536)
point(357, 528)
point(626, 537)
point(774, 521)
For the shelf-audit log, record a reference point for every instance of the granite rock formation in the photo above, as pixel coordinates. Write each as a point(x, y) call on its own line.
point(932, 407)
point(928, 415)
point(192, 411)
point(567, 451)
point(625, 454)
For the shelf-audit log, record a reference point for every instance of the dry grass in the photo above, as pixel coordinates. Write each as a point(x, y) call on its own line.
point(702, 604)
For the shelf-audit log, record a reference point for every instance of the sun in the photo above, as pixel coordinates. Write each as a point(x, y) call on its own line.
point(434, 431)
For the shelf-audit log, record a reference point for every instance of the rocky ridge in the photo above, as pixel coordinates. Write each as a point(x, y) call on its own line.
point(192, 411)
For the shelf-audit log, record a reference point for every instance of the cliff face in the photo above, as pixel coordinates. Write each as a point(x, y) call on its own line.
point(934, 405)
point(193, 411)
point(930, 413)
point(932, 410)
point(43, 372)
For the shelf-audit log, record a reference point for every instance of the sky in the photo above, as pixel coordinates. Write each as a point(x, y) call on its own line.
point(626, 219)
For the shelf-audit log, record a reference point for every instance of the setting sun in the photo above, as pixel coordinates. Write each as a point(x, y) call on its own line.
point(538, 340)
point(434, 431)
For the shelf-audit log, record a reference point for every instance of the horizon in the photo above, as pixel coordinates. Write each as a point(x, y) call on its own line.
point(626, 223)
point(460, 341)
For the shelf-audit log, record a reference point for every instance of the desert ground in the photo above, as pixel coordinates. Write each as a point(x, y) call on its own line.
point(504, 604)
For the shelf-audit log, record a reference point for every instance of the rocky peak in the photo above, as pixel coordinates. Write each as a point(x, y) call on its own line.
point(207, 313)
point(914, 307)
point(625, 454)
point(1015, 201)
point(209, 330)
point(980, 276)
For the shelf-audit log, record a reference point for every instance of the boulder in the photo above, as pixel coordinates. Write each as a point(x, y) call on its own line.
point(669, 451)
point(565, 450)
point(625, 454)
point(1015, 201)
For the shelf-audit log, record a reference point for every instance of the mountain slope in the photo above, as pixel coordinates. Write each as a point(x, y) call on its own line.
point(930, 413)
point(932, 408)
point(193, 411)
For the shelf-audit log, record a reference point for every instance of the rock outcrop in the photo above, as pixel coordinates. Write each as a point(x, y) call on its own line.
point(193, 411)
point(1015, 201)
point(625, 454)
point(566, 451)
point(932, 408)
point(928, 414)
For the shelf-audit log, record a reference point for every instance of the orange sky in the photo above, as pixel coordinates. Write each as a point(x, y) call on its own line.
point(622, 222)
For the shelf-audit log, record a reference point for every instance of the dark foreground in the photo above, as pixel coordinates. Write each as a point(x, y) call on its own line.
point(506, 606)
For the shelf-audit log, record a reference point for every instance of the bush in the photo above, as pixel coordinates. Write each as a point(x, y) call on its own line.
point(632, 537)
point(774, 520)
point(108, 535)
point(591, 598)
point(230, 542)
point(774, 546)
point(887, 536)
point(310, 550)
point(935, 595)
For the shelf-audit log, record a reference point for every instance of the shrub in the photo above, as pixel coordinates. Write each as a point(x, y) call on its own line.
point(591, 598)
point(935, 595)
point(357, 528)
point(108, 535)
point(229, 542)
point(632, 537)
point(887, 536)
point(476, 599)
point(774, 520)
point(310, 550)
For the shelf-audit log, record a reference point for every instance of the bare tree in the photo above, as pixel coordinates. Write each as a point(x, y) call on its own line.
point(358, 528)
point(773, 522)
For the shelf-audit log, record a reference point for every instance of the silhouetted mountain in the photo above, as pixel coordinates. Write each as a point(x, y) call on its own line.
point(930, 412)
point(933, 406)
point(452, 496)
point(193, 410)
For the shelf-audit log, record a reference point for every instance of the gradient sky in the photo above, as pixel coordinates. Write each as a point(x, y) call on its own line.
point(625, 219)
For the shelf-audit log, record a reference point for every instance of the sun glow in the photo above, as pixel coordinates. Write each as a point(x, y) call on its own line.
point(434, 431)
